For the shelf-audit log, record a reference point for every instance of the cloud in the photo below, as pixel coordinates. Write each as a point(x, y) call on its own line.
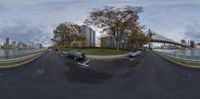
point(25, 33)
point(192, 31)
point(170, 20)
point(34, 20)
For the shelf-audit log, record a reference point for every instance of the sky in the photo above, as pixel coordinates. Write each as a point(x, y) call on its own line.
point(35, 20)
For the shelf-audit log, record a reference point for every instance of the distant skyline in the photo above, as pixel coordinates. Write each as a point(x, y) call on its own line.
point(34, 20)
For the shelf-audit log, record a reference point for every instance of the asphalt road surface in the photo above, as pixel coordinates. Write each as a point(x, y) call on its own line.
point(56, 77)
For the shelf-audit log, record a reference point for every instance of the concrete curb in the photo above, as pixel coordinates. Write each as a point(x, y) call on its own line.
point(185, 65)
point(100, 57)
point(17, 65)
point(103, 57)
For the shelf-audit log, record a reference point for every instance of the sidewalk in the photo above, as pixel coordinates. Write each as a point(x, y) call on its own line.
point(104, 57)
point(101, 57)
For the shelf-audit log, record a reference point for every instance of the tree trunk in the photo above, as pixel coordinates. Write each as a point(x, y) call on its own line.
point(117, 45)
point(63, 44)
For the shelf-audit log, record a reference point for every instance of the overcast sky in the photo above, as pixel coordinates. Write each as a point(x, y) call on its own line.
point(34, 20)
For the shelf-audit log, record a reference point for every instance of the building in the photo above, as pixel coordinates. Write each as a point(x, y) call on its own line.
point(6, 44)
point(107, 41)
point(198, 45)
point(183, 42)
point(13, 45)
point(21, 45)
point(89, 34)
point(192, 44)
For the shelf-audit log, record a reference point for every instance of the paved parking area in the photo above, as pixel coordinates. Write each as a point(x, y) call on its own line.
point(56, 77)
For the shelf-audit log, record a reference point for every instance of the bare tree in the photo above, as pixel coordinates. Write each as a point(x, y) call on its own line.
point(115, 21)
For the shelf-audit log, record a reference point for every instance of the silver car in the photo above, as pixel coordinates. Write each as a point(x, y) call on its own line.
point(76, 55)
point(134, 53)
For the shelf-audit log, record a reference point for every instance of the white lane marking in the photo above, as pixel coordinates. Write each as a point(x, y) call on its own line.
point(132, 59)
point(85, 63)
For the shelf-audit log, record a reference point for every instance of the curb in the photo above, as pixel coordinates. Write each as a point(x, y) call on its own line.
point(99, 57)
point(17, 65)
point(173, 61)
point(103, 57)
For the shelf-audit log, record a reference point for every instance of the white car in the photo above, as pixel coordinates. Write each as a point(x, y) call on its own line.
point(134, 53)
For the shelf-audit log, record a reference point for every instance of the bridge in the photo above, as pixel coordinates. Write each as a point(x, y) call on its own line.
point(154, 37)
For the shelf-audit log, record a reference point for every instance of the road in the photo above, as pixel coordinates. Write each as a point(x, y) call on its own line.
point(56, 77)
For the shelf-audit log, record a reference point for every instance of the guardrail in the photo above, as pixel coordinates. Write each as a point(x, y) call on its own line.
point(34, 54)
point(192, 59)
point(18, 55)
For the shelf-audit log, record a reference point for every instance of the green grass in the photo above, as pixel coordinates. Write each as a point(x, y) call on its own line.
point(99, 51)
point(17, 62)
point(9, 63)
point(183, 62)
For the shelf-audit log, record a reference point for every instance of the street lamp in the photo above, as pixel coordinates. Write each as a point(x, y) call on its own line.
point(150, 34)
point(122, 45)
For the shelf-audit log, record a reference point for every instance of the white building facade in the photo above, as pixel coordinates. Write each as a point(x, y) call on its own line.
point(89, 34)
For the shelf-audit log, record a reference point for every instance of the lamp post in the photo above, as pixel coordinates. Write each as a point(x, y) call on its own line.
point(150, 34)
point(122, 45)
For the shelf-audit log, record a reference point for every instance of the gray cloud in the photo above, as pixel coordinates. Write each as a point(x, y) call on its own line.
point(25, 33)
point(34, 20)
point(192, 31)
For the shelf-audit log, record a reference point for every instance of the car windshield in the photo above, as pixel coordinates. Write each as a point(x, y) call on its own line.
point(99, 49)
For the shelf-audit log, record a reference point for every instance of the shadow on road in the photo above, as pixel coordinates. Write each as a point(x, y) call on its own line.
point(101, 70)
point(86, 75)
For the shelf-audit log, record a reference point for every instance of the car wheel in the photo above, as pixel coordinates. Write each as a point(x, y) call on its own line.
point(75, 58)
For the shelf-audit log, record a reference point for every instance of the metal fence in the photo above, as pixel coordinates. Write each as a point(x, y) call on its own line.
point(195, 59)
point(11, 56)
point(35, 53)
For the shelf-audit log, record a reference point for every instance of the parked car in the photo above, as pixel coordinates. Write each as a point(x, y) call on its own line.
point(134, 53)
point(76, 55)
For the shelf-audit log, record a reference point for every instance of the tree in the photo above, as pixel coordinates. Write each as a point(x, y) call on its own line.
point(65, 33)
point(83, 41)
point(115, 21)
point(136, 37)
point(142, 39)
point(78, 39)
point(103, 42)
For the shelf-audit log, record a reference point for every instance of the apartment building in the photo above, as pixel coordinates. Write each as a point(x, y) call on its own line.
point(89, 34)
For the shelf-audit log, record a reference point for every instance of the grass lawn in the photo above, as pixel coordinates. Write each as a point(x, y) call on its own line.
point(98, 51)
point(184, 62)
point(17, 62)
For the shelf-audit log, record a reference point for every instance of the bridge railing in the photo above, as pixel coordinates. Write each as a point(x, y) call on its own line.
point(193, 59)
point(33, 54)
point(2, 57)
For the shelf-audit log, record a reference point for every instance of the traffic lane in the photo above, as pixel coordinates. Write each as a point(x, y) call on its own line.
point(47, 78)
point(116, 66)
point(44, 63)
point(153, 78)
point(111, 66)
point(161, 78)
point(36, 79)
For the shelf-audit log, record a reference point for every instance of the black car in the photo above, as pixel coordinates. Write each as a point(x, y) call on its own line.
point(76, 55)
